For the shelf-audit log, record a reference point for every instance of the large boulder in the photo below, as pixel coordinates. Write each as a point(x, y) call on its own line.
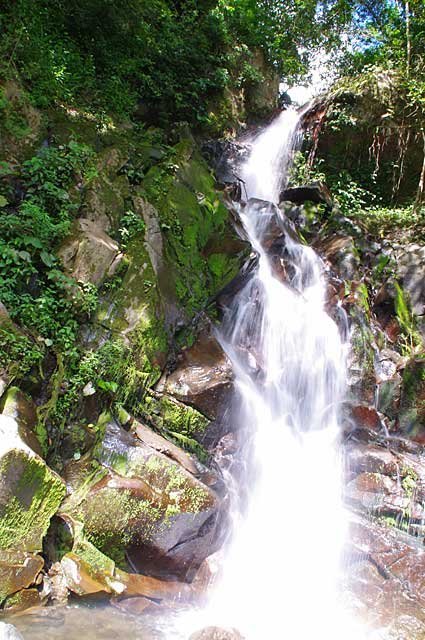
point(142, 507)
point(105, 198)
point(30, 494)
point(317, 192)
point(203, 376)
point(87, 571)
point(89, 255)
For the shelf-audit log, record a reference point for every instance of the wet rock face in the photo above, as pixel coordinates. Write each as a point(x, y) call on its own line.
point(203, 376)
point(226, 158)
point(387, 482)
point(387, 579)
point(146, 506)
point(340, 251)
point(271, 227)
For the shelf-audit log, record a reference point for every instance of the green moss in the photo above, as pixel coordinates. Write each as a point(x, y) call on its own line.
point(134, 521)
point(95, 559)
point(181, 418)
point(183, 191)
point(178, 422)
point(36, 493)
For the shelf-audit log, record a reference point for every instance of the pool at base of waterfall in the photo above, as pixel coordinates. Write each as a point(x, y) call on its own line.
point(94, 621)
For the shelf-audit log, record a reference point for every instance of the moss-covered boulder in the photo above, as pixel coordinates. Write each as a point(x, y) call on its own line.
point(105, 197)
point(30, 494)
point(176, 420)
point(20, 407)
point(199, 242)
point(142, 507)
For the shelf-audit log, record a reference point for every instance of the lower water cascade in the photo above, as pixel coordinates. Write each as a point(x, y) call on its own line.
point(280, 571)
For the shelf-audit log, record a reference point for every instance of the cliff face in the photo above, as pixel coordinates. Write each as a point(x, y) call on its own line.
point(114, 243)
point(368, 127)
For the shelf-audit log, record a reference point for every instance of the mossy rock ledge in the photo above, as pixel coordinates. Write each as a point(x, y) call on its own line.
point(145, 510)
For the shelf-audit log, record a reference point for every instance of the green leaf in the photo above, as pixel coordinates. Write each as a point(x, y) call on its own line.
point(34, 242)
point(25, 256)
point(3, 201)
point(106, 385)
point(47, 258)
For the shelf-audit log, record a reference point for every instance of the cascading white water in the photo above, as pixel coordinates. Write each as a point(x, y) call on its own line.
point(279, 576)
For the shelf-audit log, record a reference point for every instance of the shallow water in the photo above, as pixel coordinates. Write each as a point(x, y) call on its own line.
point(84, 621)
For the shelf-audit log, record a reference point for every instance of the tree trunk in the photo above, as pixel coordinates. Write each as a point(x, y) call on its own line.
point(408, 38)
point(421, 185)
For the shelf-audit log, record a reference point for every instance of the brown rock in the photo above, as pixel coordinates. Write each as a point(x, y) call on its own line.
point(396, 556)
point(366, 417)
point(56, 587)
point(203, 377)
point(23, 601)
point(18, 570)
point(89, 254)
point(157, 442)
point(87, 571)
point(339, 250)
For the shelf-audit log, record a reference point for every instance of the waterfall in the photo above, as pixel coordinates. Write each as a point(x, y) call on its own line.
point(280, 572)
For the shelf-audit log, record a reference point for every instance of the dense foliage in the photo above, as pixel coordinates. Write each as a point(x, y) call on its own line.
point(163, 59)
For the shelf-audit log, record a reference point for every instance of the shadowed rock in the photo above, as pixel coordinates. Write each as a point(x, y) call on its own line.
point(316, 192)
